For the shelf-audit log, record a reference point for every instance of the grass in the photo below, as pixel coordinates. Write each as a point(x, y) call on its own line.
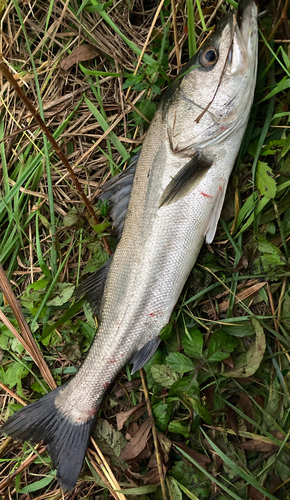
point(219, 383)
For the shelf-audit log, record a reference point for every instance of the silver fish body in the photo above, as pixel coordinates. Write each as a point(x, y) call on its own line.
point(176, 200)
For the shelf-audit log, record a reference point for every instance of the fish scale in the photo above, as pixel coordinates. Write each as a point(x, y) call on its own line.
point(176, 200)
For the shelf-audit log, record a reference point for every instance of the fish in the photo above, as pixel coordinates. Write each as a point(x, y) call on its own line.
point(163, 208)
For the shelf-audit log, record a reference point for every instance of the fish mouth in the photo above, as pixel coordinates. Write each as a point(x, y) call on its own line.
point(244, 46)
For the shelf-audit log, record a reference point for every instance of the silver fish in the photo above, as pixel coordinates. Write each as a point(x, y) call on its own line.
point(177, 196)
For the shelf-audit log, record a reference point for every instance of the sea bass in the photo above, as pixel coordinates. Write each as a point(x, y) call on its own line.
point(176, 200)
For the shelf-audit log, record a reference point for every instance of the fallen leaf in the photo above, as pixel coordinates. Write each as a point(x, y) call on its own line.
point(249, 362)
point(124, 415)
point(232, 420)
point(151, 477)
point(255, 494)
point(165, 446)
point(82, 53)
point(127, 387)
point(247, 407)
point(257, 445)
point(198, 457)
point(138, 442)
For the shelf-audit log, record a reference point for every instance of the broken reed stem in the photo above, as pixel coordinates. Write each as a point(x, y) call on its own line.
point(12, 394)
point(27, 102)
point(102, 462)
point(155, 437)
point(9, 479)
point(177, 51)
point(26, 337)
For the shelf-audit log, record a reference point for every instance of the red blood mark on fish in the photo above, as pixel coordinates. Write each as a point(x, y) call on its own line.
point(206, 195)
point(152, 315)
point(106, 385)
point(112, 361)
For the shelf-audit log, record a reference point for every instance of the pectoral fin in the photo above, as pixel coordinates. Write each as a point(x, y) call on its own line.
point(216, 211)
point(187, 179)
point(117, 191)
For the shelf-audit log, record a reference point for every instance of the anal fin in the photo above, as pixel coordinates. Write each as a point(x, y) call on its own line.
point(141, 357)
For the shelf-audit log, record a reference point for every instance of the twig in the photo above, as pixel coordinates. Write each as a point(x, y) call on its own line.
point(27, 102)
point(9, 479)
point(12, 394)
point(155, 437)
point(173, 7)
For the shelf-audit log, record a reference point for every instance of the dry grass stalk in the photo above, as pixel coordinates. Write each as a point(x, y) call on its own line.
point(5, 482)
point(107, 471)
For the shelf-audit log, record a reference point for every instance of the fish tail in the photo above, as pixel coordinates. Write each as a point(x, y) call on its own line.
point(67, 441)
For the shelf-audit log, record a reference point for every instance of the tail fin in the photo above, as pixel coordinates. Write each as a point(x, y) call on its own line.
point(67, 441)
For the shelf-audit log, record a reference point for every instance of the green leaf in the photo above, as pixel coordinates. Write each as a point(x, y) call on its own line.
point(172, 485)
point(265, 180)
point(179, 363)
point(164, 375)
point(162, 414)
point(185, 386)
point(38, 485)
point(248, 363)
point(100, 228)
point(147, 108)
point(221, 345)
point(238, 471)
point(66, 291)
point(178, 427)
point(192, 342)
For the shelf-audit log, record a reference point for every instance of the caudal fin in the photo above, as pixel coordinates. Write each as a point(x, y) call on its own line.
point(67, 441)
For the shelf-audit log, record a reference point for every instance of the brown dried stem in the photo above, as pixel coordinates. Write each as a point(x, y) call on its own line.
point(155, 437)
point(27, 102)
point(5, 482)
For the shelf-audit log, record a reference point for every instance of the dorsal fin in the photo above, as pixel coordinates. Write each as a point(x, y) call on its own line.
point(117, 191)
point(186, 179)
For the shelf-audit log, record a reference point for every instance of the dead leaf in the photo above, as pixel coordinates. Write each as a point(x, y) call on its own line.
point(198, 457)
point(138, 442)
point(232, 420)
point(255, 494)
point(247, 407)
point(82, 53)
point(151, 477)
point(249, 362)
point(127, 387)
point(257, 445)
point(124, 415)
point(165, 446)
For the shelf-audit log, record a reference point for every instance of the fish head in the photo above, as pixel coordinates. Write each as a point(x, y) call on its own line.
point(213, 95)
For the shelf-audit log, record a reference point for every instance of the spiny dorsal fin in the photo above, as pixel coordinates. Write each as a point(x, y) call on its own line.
point(186, 179)
point(117, 191)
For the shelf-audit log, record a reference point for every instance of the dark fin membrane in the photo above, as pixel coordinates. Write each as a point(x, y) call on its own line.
point(141, 357)
point(92, 288)
point(186, 179)
point(67, 442)
point(117, 191)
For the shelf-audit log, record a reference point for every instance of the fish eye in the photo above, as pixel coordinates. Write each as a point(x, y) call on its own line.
point(208, 57)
